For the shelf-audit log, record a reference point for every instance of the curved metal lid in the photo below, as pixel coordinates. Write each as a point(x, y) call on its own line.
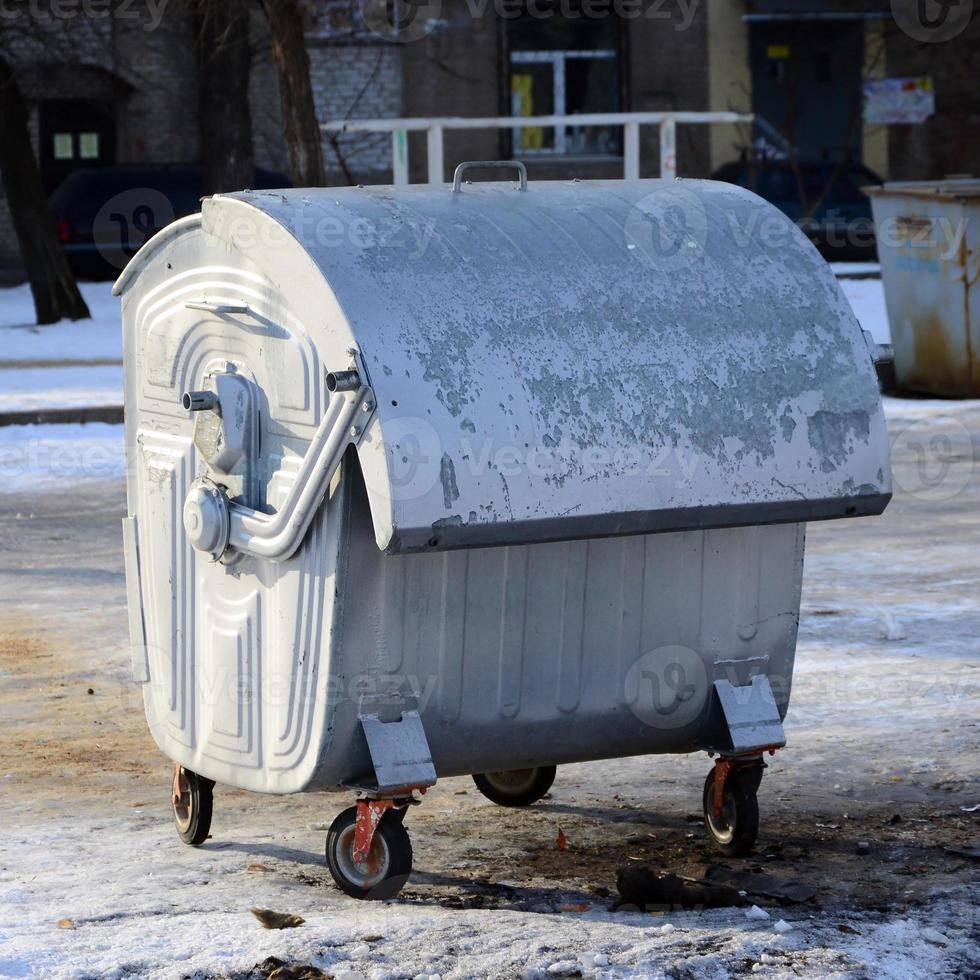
point(586, 358)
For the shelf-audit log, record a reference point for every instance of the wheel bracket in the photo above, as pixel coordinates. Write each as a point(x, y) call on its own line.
point(371, 810)
point(725, 765)
point(178, 793)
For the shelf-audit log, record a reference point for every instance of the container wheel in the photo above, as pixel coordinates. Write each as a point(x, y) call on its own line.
point(388, 865)
point(737, 829)
point(516, 787)
point(192, 798)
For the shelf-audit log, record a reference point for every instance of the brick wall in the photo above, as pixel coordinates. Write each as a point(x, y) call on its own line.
point(157, 116)
point(54, 57)
point(457, 68)
point(455, 71)
point(668, 69)
point(142, 65)
point(264, 104)
point(352, 81)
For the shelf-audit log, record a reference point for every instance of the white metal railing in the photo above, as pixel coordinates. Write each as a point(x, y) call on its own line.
point(629, 121)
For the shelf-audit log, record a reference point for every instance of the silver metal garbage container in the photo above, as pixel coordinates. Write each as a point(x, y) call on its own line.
point(929, 245)
point(427, 482)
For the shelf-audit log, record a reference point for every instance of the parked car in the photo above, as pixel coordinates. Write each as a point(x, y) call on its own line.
point(840, 226)
point(105, 214)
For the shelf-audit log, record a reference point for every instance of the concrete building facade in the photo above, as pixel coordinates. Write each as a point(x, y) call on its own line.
point(132, 80)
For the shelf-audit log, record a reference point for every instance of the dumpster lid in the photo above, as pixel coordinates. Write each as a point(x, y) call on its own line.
point(574, 360)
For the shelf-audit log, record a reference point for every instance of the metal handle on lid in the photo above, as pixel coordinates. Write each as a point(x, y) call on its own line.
point(495, 165)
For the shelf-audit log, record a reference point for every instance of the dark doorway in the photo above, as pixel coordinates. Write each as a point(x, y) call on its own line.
point(74, 133)
point(561, 62)
point(806, 83)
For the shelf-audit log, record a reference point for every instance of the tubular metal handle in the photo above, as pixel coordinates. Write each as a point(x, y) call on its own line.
point(884, 354)
point(493, 164)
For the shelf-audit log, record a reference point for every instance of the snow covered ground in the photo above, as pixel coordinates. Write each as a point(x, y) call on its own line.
point(85, 340)
point(43, 457)
point(60, 387)
point(884, 734)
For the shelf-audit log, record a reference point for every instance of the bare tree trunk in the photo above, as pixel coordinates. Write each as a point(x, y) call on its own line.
point(224, 117)
point(56, 295)
point(296, 92)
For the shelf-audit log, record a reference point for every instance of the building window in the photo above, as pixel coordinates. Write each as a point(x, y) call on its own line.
point(88, 146)
point(74, 133)
point(63, 146)
point(564, 65)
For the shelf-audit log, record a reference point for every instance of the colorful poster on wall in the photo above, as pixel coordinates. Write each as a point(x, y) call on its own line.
point(898, 101)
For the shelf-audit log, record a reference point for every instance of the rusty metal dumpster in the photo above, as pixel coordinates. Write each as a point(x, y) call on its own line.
point(929, 247)
point(429, 482)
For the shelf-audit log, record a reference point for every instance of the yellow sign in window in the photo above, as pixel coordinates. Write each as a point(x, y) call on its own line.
point(777, 52)
point(522, 104)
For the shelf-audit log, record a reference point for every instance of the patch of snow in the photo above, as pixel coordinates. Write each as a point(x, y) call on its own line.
point(590, 960)
point(933, 409)
point(867, 299)
point(756, 913)
point(890, 628)
point(40, 457)
point(97, 339)
point(22, 389)
point(856, 268)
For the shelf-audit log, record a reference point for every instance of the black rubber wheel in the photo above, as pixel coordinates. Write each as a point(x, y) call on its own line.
point(754, 775)
point(738, 828)
point(384, 873)
point(192, 798)
point(516, 787)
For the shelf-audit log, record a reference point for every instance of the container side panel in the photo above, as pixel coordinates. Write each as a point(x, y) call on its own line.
point(566, 651)
point(237, 653)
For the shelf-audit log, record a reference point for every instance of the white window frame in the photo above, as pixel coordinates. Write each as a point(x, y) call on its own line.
point(557, 61)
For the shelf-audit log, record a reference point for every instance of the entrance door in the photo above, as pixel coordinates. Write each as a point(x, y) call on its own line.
point(806, 82)
point(74, 133)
